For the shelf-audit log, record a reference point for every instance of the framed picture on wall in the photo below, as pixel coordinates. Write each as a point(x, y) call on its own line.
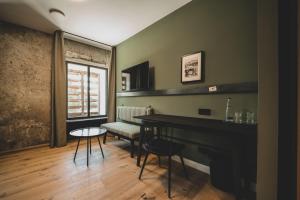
point(191, 67)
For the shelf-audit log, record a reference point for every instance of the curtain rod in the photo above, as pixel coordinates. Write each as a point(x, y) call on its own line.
point(84, 38)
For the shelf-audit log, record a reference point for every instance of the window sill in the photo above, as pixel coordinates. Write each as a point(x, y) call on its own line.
point(87, 119)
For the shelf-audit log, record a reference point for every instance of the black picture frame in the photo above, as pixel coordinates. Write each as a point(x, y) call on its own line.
point(194, 73)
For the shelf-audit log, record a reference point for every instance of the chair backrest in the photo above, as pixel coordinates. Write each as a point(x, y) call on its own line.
point(127, 113)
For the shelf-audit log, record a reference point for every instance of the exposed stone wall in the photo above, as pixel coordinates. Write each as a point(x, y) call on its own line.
point(25, 82)
point(81, 51)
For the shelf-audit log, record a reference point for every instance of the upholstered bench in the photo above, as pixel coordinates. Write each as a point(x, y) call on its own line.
point(126, 126)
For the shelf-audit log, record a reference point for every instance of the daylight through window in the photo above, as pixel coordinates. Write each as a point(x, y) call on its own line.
point(87, 91)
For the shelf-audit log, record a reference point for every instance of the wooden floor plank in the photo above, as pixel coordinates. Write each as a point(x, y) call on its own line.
point(50, 173)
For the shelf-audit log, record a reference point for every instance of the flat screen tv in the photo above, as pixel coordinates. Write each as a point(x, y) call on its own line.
point(136, 78)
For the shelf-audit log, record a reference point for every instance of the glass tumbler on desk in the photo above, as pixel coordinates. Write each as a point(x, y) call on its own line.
point(238, 117)
point(250, 118)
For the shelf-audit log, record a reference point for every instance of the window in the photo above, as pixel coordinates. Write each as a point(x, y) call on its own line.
point(87, 91)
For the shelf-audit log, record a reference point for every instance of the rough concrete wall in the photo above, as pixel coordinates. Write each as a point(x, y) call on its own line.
point(25, 75)
point(81, 51)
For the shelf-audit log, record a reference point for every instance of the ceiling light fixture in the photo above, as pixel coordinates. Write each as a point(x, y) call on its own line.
point(58, 16)
point(56, 11)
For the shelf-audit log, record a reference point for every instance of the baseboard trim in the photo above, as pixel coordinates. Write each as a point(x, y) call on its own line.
point(23, 149)
point(200, 167)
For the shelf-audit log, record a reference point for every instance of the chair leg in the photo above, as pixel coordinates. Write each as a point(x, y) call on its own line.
point(169, 176)
point(144, 163)
point(104, 138)
point(132, 148)
point(76, 149)
point(184, 168)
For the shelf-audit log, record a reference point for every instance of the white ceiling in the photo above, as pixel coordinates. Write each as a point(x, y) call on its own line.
point(107, 21)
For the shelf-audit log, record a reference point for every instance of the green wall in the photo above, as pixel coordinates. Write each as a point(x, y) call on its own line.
point(224, 30)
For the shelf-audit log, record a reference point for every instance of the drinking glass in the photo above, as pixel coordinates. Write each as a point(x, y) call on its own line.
point(238, 117)
point(250, 118)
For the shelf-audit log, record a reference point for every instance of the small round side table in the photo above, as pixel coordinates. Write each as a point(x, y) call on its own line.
point(88, 133)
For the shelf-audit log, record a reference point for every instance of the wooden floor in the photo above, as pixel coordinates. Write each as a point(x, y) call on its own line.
point(45, 173)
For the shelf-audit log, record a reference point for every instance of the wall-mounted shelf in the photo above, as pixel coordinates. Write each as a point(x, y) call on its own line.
point(247, 87)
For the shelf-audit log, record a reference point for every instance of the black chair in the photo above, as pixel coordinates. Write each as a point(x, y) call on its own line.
point(162, 146)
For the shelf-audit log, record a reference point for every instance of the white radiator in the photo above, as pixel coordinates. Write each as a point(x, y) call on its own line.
point(127, 113)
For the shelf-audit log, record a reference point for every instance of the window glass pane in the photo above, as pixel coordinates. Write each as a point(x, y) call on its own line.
point(97, 91)
point(77, 90)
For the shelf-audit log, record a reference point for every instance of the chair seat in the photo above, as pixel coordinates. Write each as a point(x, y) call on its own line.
point(163, 147)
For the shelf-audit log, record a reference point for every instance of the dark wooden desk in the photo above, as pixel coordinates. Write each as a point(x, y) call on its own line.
point(237, 132)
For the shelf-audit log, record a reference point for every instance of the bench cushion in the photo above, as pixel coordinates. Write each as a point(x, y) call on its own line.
point(128, 130)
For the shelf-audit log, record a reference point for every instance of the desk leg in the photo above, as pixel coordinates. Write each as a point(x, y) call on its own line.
point(236, 159)
point(142, 134)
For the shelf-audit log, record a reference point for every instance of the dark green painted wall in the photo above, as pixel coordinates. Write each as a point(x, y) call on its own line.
point(224, 30)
